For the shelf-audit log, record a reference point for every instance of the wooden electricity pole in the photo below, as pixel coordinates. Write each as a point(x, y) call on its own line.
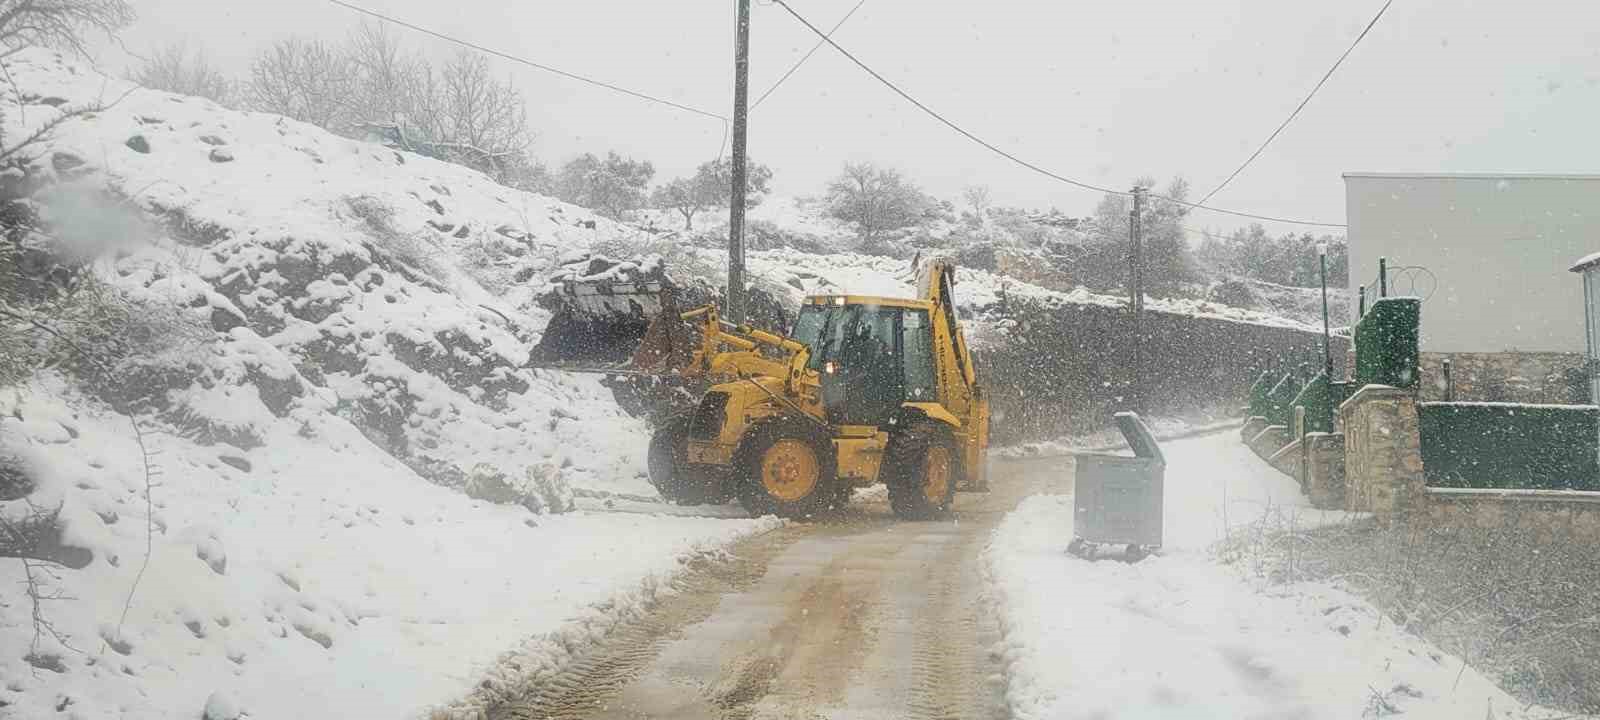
point(741, 97)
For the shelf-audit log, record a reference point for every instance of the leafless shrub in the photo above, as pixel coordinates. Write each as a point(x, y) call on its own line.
point(174, 69)
point(22, 539)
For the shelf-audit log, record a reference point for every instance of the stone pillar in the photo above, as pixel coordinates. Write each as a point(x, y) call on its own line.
point(1383, 453)
point(1324, 481)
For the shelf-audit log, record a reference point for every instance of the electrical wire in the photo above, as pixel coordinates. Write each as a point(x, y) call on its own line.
point(1302, 104)
point(1019, 161)
point(809, 53)
point(529, 63)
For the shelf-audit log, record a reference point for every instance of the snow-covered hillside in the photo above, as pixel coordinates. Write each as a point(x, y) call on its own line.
point(393, 287)
point(335, 336)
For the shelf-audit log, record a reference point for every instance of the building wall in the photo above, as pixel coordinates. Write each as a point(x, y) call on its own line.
point(1499, 246)
point(1520, 377)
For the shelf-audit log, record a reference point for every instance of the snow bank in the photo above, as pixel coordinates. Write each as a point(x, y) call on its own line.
point(313, 576)
point(1178, 636)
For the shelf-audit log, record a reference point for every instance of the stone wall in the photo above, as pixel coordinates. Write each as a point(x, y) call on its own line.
point(1383, 453)
point(1546, 515)
point(1522, 377)
point(1061, 369)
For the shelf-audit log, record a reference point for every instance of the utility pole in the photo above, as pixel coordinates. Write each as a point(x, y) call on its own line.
point(741, 99)
point(1327, 342)
point(1136, 297)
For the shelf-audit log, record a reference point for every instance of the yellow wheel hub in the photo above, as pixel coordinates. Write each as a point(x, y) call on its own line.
point(936, 474)
point(789, 470)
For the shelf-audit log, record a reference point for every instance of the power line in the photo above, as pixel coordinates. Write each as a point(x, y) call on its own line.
point(1302, 104)
point(809, 53)
point(1013, 158)
point(530, 63)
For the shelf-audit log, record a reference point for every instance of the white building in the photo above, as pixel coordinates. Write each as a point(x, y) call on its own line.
point(1498, 246)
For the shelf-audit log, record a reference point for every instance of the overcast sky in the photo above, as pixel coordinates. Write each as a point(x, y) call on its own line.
point(1103, 91)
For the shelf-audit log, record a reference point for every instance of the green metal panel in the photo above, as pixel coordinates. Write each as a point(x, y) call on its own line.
point(1506, 445)
point(1386, 343)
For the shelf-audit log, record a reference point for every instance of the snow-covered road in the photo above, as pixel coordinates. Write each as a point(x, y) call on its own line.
point(1179, 635)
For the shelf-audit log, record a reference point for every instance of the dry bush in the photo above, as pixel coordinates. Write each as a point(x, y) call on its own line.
point(1520, 608)
point(413, 249)
point(176, 70)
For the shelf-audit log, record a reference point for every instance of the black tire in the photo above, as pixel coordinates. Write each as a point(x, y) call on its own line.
point(669, 469)
point(906, 470)
point(751, 463)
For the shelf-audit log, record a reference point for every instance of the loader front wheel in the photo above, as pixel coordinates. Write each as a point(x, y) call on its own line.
point(670, 472)
point(921, 468)
point(786, 468)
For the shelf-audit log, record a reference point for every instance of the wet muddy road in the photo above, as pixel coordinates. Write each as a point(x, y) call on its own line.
point(861, 616)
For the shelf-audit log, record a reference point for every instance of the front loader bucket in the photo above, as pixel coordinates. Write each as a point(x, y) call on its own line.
point(613, 327)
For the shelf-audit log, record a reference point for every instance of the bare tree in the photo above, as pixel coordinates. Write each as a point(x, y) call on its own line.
point(58, 23)
point(385, 88)
point(308, 80)
point(978, 198)
point(174, 70)
point(875, 200)
point(483, 118)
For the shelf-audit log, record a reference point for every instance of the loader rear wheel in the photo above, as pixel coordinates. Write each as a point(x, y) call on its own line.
point(669, 469)
point(786, 467)
point(921, 468)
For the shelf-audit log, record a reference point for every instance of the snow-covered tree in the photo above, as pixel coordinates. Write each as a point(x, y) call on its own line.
point(1164, 253)
point(1285, 260)
point(712, 186)
point(978, 198)
point(874, 200)
point(613, 186)
point(175, 69)
point(716, 180)
point(685, 195)
point(308, 80)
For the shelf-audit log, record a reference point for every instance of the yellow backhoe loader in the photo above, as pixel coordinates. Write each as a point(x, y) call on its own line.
point(862, 390)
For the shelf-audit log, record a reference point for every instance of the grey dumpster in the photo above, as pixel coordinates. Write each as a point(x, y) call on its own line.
point(1117, 499)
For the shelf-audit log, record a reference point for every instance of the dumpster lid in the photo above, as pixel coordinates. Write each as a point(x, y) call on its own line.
point(1139, 437)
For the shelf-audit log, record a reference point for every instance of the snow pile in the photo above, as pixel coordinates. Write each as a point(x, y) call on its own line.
point(314, 562)
point(1178, 635)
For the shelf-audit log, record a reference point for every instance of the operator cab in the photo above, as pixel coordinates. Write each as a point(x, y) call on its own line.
point(871, 354)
